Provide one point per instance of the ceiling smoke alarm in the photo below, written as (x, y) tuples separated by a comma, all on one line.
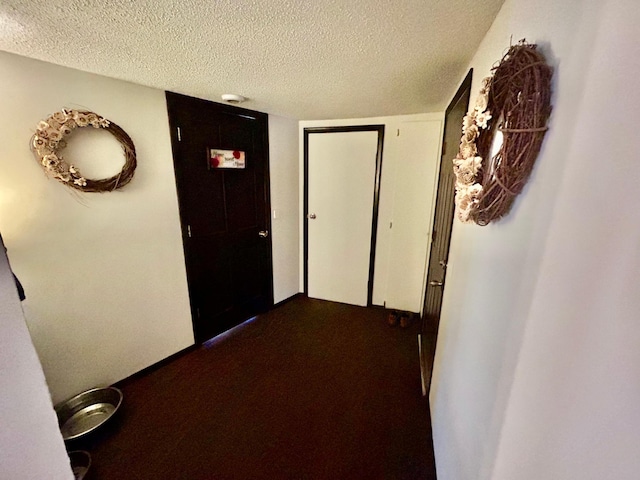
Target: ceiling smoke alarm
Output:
[(233, 98)]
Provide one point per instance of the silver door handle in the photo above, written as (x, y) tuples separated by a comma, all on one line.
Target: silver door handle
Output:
[(263, 233), (435, 283), (311, 216)]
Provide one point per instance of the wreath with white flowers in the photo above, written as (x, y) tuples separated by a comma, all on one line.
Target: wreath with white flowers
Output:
[(50, 139), (515, 101)]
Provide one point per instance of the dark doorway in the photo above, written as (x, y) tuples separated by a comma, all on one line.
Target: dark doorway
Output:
[(442, 224), (224, 212)]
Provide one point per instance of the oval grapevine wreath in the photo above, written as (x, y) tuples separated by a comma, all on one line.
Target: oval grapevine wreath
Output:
[(49, 140), (515, 101)]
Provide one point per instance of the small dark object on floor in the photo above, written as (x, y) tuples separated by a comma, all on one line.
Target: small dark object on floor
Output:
[(405, 319), (392, 319), (80, 463)]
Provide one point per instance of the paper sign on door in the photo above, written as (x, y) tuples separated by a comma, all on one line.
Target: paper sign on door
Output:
[(226, 158)]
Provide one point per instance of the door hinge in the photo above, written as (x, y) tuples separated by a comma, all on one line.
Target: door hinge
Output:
[(189, 231), (444, 148), (179, 134)]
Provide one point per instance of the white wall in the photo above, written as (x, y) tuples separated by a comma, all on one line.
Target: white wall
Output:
[(104, 273), (285, 217), (537, 361), (31, 446), (407, 193)]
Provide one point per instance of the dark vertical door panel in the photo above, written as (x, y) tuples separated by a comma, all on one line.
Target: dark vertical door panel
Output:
[(441, 234), (222, 211), (444, 209)]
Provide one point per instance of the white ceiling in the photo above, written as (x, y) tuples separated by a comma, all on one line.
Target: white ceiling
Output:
[(306, 59)]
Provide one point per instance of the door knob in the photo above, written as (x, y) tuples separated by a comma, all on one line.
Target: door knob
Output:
[(263, 233), (435, 283), (312, 216)]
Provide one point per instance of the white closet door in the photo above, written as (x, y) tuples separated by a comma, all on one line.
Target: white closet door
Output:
[(341, 181), (418, 156)]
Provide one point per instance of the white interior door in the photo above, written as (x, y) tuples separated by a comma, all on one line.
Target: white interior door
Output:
[(418, 150), (341, 183)]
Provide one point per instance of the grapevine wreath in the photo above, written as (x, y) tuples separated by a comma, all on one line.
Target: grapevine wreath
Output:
[(49, 141), (515, 101)]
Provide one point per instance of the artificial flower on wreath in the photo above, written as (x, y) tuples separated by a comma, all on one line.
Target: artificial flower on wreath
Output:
[(467, 165), (49, 139)]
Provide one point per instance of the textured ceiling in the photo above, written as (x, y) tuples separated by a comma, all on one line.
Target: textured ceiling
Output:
[(306, 59)]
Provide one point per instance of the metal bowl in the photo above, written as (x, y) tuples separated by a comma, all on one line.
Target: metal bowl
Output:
[(87, 411), (80, 463)]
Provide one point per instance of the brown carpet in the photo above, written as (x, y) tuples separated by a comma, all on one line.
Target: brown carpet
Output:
[(310, 390)]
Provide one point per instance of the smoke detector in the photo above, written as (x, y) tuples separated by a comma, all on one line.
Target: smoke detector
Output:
[(233, 98)]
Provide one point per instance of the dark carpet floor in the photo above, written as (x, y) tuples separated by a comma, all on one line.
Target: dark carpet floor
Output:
[(310, 390)]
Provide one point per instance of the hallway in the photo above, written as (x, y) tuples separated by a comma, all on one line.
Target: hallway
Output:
[(310, 390)]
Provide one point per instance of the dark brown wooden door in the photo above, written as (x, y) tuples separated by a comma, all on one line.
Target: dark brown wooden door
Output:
[(225, 213), (444, 210), (441, 234)]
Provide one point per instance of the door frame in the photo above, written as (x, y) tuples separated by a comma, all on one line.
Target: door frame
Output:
[(376, 197)]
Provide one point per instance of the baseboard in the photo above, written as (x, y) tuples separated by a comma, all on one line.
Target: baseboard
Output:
[(423, 373), (152, 368), (383, 307), (427, 350), (287, 300)]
